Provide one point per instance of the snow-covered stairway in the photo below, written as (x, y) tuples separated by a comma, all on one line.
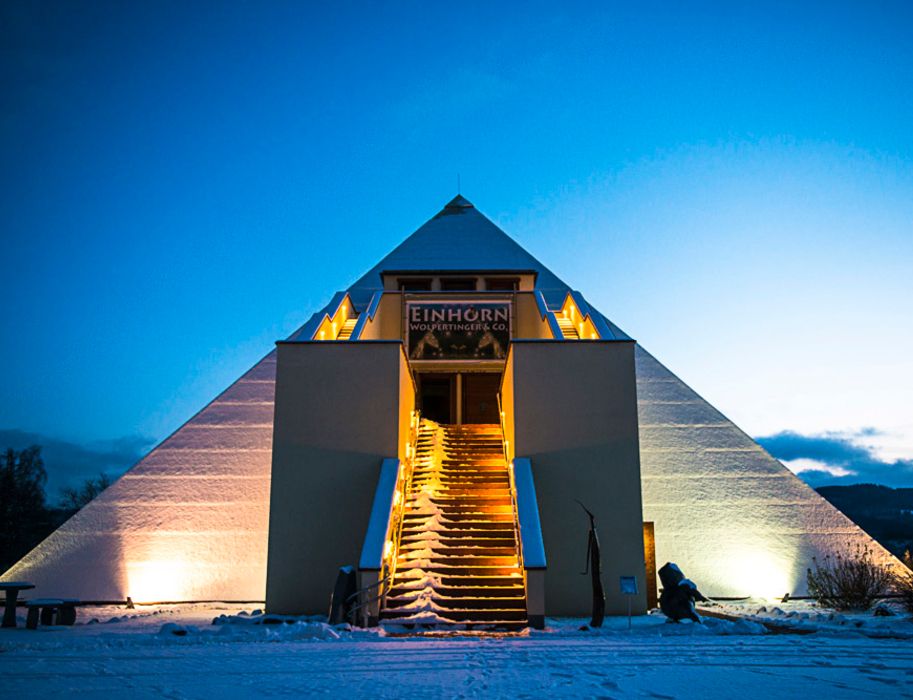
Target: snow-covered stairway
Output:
[(458, 564)]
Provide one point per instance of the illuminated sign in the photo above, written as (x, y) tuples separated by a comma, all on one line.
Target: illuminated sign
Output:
[(457, 330)]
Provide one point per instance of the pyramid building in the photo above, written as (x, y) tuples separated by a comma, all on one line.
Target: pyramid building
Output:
[(437, 426)]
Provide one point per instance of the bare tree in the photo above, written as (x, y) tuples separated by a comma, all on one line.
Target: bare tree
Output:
[(76, 498), (24, 517)]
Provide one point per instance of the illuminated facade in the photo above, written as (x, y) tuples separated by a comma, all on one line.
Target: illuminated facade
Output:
[(433, 424)]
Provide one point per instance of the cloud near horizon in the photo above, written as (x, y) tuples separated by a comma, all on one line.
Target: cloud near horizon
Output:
[(832, 459), (70, 464)]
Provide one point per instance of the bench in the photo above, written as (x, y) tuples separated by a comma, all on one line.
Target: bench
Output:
[(50, 611), (12, 589)]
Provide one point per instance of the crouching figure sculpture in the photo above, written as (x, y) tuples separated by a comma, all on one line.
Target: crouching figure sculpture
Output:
[(678, 595)]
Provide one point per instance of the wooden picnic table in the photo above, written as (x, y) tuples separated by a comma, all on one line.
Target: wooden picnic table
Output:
[(12, 589)]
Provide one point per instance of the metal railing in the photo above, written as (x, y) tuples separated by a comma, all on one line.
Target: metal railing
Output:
[(362, 604), (513, 487), (394, 529), (405, 489)]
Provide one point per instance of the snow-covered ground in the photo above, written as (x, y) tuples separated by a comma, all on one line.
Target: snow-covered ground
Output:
[(805, 617), (176, 652)]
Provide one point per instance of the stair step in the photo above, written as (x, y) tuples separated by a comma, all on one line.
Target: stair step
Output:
[(505, 548), (453, 509), (482, 581), (463, 505), (450, 540), (480, 520), (345, 333), (463, 602), (466, 615), (456, 628), (493, 592), (413, 523), (479, 493), (466, 478), (464, 489), (441, 559), (470, 571)]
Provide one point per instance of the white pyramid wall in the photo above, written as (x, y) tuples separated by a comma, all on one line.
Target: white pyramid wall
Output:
[(731, 516), (188, 522)]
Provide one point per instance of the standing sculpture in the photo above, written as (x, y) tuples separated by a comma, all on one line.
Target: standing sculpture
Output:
[(594, 568)]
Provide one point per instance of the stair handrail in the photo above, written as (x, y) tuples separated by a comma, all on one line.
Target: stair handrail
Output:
[(501, 418), (357, 594), (513, 486), (415, 418), (367, 315), (547, 316)]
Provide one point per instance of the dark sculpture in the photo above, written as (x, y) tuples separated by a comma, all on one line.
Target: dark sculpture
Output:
[(678, 594), (594, 568)]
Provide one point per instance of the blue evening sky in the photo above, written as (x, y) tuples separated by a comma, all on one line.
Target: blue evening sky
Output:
[(185, 183)]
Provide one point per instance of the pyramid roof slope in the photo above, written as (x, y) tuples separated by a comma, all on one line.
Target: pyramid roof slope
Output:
[(459, 238)]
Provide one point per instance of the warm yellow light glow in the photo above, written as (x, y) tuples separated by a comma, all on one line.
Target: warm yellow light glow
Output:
[(157, 581), (397, 497), (388, 549), (323, 335), (756, 572)]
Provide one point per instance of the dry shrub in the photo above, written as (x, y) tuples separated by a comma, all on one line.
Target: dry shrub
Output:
[(849, 582), (903, 583)]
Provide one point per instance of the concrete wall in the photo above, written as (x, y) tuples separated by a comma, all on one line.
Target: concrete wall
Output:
[(406, 405), (339, 409), (507, 405), (387, 323), (528, 323), (575, 416)]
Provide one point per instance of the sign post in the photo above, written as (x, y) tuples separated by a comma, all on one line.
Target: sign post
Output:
[(628, 587)]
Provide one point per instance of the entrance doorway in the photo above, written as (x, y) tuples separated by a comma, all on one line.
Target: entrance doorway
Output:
[(480, 397), (436, 397), (459, 397)]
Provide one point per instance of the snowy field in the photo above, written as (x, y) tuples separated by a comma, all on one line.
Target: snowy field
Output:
[(176, 652)]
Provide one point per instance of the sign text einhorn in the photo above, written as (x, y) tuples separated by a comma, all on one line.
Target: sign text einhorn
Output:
[(457, 331)]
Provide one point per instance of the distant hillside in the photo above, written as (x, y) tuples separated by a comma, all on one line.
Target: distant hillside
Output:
[(885, 513)]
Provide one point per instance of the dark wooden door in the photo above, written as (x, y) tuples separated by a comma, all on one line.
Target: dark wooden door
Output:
[(480, 398)]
